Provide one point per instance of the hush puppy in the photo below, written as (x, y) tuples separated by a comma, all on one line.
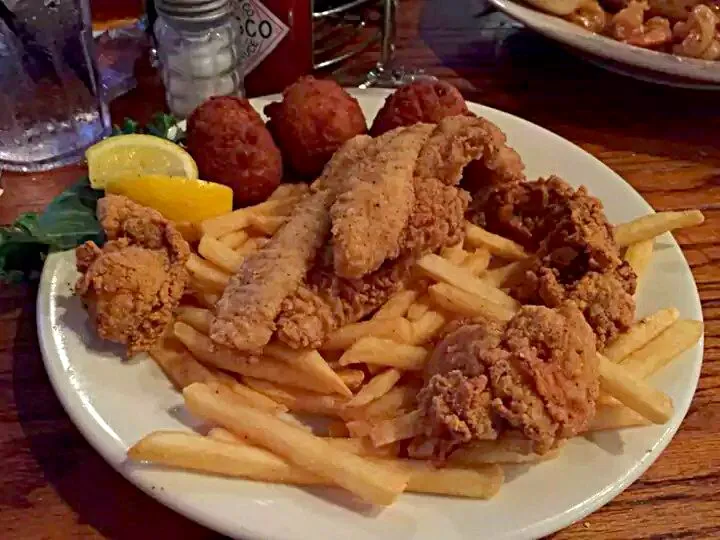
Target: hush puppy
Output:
[(421, 101), (231, 145), (312, 121)]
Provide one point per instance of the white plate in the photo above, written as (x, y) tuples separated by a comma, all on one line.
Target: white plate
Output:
[(605, 47), (115, 403)]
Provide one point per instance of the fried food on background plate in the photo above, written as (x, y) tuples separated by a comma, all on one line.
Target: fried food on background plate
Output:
[(422, 101), (313, 120), (133, 284), (231, 146)]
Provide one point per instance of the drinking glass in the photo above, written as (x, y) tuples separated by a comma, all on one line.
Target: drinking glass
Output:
[(51, 105)]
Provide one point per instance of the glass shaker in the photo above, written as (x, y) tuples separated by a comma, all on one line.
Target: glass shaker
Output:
[(197, 47)]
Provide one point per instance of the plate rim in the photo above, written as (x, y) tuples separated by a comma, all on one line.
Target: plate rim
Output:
[(616, 51), (78, 410)]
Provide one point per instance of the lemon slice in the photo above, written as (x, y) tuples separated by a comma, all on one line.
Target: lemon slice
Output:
[(127, 156), (177, 198)]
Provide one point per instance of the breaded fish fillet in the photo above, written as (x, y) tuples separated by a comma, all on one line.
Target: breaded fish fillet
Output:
[(326, 301), (246, 312), (372, 211)]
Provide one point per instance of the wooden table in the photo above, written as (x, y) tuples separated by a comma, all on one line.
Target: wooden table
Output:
[(663, 141)]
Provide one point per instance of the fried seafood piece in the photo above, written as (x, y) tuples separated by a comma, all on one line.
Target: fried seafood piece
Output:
[(536, 374), (472, 147), (419, 102), (372, 211), (131, 286), (231, 145), (576, 257), (606, 299), (314, 118), (327, 301), (246, 312)]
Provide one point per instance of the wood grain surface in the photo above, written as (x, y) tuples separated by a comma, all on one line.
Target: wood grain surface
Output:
[(664, 141)]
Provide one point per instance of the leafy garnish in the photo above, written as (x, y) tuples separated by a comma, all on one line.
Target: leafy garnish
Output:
[(68, 221), (161, 125)]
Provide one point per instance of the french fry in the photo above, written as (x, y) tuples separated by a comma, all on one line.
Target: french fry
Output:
[(395, 429), (252, 245), (635, 393), (219, 254), (376, 387), (396, 402), (371, 481), (638, 256), (455, 254), (299, 400), (481, 482), (240, 219), (500, 451), (427, 327), (222, 377), (207, 272), (207, 299), (384, 352), (454, 300), (360, 447), (202, 454), (477, 262), (258, 399), (652, 225), (397, 306), (264, 368), (419, 308), (178, 364), (267, 224), (497, 245), (198, 318), (221, 434), (311, 362), (353, 378), (190, 231), (616, 416), (193, 452), (398, 329), (498, 276), (358, 428), (647, 360), (285, 191), (337, 428), (441, 270), (640, 334), (235, 239)]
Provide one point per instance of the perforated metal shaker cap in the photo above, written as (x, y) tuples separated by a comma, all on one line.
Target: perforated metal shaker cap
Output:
[(193, 10)]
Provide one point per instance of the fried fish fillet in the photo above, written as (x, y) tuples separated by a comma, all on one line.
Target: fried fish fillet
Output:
[(326, 301), (370, 214), (246, 312)]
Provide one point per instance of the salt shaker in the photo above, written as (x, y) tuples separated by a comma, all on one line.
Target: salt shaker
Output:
[(197, 48)]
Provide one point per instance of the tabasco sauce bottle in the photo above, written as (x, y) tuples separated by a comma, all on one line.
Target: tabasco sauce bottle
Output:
[(275, 43)]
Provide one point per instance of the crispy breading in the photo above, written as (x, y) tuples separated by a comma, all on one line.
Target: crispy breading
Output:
[(133, 284), (536, 374), (576, 257), (246, 312), (370, 214), (327, 301)]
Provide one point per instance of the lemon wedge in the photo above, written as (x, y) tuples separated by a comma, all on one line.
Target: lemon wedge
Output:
[(176, 198), (127, 156)]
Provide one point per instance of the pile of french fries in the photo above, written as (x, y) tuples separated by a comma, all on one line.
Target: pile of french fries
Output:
[(364, 380)]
